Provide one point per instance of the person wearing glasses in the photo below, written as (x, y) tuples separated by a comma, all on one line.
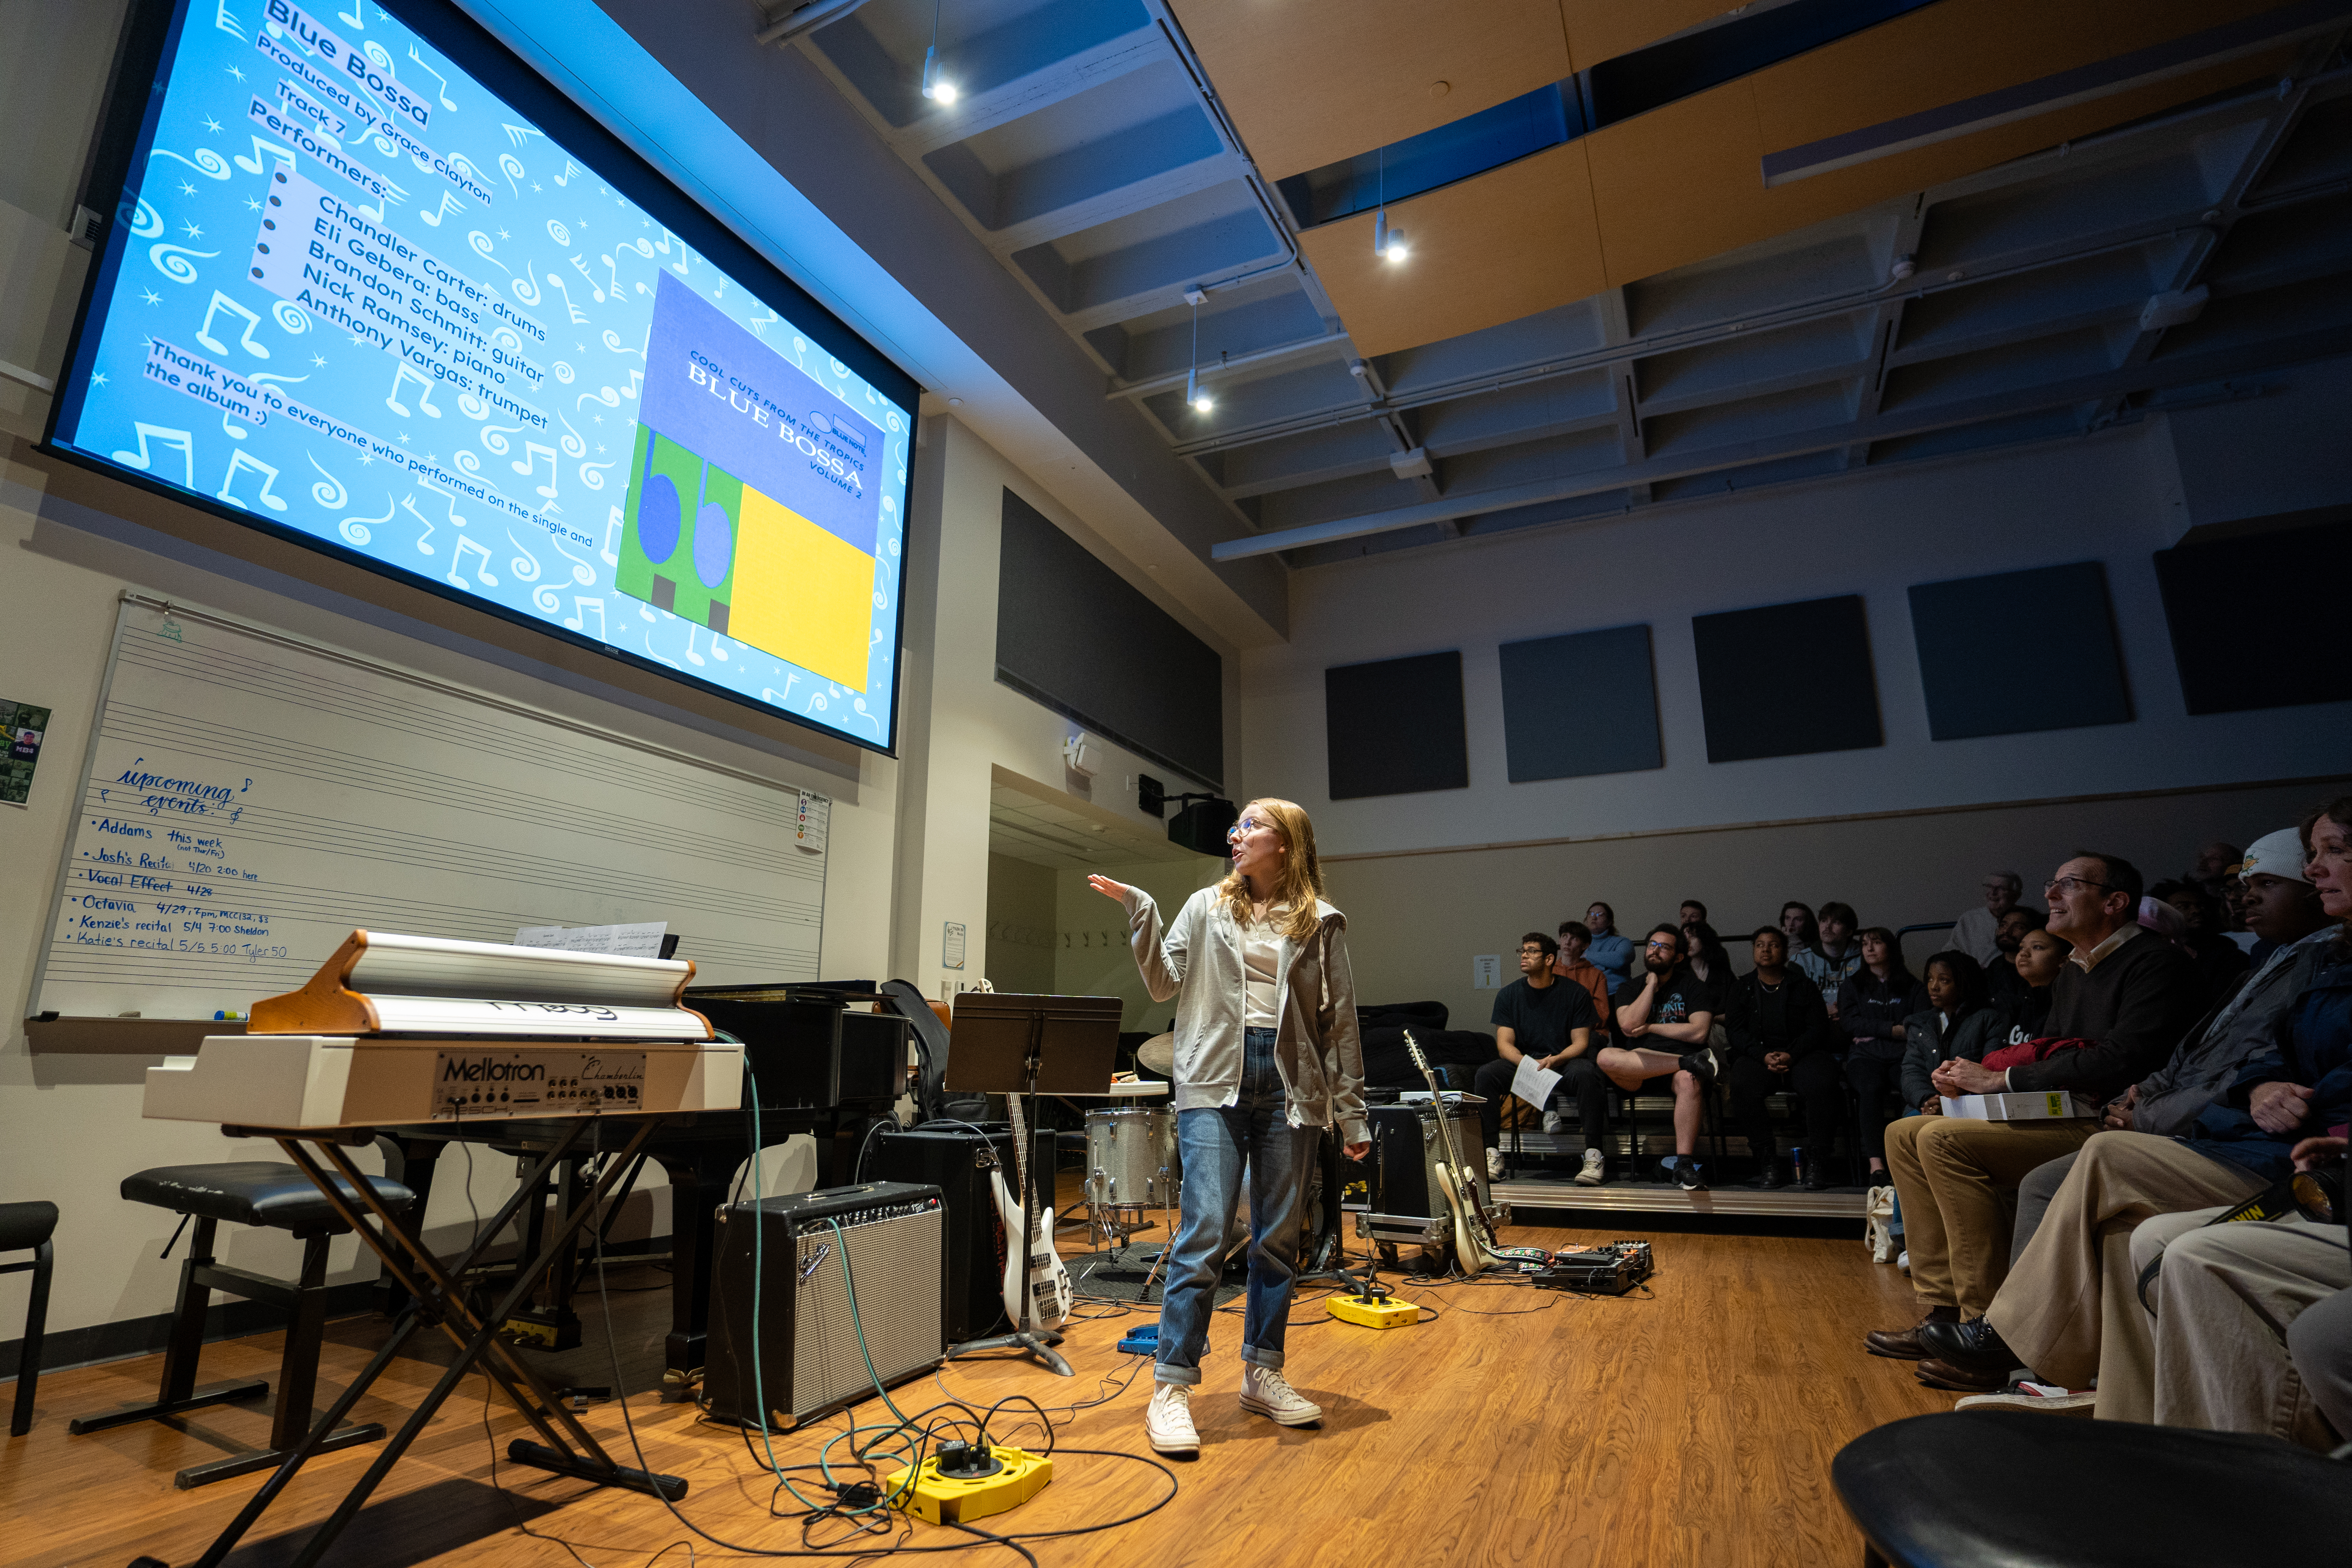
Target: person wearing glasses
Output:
[(2120, 1002), (1664, 1019), (1551, 1019), (1267, 1057)]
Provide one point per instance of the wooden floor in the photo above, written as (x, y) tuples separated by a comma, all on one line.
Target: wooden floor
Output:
[(1694, 1426)]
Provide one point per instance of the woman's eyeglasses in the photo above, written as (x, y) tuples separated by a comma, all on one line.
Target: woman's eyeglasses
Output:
[(1246, 825)]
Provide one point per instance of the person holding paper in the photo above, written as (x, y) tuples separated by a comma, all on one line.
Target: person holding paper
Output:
[(1547, 1021), (1267, 1057)]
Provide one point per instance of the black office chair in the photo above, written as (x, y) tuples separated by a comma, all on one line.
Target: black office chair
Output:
[(27, 1227), (2015, 1489)]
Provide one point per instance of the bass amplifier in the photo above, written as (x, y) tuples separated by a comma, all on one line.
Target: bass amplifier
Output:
[(809, 1338), (1406, 1203), (953, 1160)]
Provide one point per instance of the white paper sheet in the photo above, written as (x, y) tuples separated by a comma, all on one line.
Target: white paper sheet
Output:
[(642, 940), (1534, 1084)]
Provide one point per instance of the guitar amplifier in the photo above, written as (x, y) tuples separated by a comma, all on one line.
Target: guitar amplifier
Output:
[(949, 1158), (809, 1047), (809, 1344), (1406, 1203)]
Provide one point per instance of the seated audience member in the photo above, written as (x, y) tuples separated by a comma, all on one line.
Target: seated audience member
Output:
[(1709, 964), (1874, 1009), (2252, 1328), (2221, 960), (1571, 964), (2286, 910), (2042, 956), (1958, 1023), (1612, 954), (2067, 1310), (1797, 925), (1663, 1021), (1541, 1016), (2215, 864), (2001, 970), (1692, 912), (1836, 959), (2122, 999), (1973, 932), (1781, 1043)]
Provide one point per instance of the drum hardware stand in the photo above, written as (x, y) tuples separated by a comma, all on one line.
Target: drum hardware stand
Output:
[(988, 1028), (444, 1305)]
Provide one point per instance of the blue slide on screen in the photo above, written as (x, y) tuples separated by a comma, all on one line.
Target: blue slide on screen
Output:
[(352, 295)]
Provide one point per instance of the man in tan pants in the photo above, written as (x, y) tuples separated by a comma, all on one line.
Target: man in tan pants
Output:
[(2127, 997), (2069, 1309)]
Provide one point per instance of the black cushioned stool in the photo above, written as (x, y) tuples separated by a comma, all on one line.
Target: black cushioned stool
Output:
[(258, 1193), (26, 1227), (2007, 1489)]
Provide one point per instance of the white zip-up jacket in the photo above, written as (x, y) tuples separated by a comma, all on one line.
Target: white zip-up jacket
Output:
[(1199, 959)]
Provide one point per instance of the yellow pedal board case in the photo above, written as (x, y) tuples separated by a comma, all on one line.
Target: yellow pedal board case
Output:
[(945, 1498), (1382, 1312)]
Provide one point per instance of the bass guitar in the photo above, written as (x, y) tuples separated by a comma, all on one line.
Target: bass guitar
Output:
[(1046, 1281), (1473, 1237)]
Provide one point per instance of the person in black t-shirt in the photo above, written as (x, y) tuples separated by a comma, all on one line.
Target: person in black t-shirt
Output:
[(1552, 1020), (1662, 1021), (1781, 1042)]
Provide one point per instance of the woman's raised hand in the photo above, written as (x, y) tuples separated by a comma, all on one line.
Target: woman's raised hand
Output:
[(1108, 889)]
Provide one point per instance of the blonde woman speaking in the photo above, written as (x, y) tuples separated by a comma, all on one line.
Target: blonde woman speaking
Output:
[(1267, 1057)]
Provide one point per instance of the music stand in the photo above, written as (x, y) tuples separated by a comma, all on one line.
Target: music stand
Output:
[(1025, 1046)]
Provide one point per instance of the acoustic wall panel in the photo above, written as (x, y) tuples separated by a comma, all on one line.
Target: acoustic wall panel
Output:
[(2250, 625), (1784, 681), (1584, 703), (1395, 727), (1075, 636), (1964, 629)]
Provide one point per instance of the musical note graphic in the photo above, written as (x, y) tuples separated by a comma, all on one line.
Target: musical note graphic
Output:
[(578, 619), (571, 171), (570, 440), (472, 407), (441, 81), (761, 324), (292, 317), (511, 167), (172, 261), (578, 315), (231, 429), (227, 22), (518, 135), (252, 321), (557, 232), (265, 152), (164, 435), (351, 18), (612, 343), (563, 373), (525, 565), (718, 648), (468, 464), (355, 527), (145, 221), (691, 656), (592, 474), (531, 452), (409, 505), (494, 438), (206, 162), (391, 400), (481, 242), (593, 287), (612, 527), (449, 203), (525, 287), (239, 461), (582, 572), (611, 397), (327, 490), (482, 573)]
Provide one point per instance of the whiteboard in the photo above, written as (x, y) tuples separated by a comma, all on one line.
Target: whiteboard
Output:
[(250, 798)]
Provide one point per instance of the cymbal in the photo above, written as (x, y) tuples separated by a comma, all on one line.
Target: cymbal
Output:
[(1159, 1054)]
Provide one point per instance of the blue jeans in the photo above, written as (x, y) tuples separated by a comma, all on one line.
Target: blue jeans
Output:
[(1215, 1145)]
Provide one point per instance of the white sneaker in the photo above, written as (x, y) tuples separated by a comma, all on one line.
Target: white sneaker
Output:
[(1596, 1169), (1168, 1420), (1264, 1392), (1904, 1261), (1551, 1122), (2034, 1396), (1494, 1164)]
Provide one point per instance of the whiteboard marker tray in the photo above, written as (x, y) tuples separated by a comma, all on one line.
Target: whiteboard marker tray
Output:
[(332, 1080)]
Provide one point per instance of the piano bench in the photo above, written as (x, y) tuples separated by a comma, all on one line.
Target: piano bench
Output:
[(254, 1192), (26, 1227)]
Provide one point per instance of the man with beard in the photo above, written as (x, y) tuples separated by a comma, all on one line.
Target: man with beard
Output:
[(1662, 1019)]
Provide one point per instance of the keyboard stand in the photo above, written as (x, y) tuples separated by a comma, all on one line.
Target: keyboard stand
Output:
[(441, 1302)]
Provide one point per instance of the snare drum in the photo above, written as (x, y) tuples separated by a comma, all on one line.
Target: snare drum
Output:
[(1132, 1157)]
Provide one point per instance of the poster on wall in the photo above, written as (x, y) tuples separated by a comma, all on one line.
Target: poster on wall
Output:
[(357, 294), (23, 725)]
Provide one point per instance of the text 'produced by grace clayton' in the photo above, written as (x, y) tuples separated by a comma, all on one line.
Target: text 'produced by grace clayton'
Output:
[(353, 295)]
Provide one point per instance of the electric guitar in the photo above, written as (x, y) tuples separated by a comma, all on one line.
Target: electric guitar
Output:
[(1474, 1238), (1047, 1280)]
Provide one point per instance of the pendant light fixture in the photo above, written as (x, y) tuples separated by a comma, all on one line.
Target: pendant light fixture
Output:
[(1200, 400), (936, 87), (1387, 243)]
